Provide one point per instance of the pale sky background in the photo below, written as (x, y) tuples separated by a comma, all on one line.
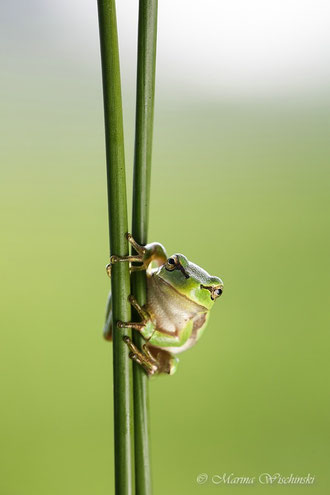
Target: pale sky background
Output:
[(235, 49)]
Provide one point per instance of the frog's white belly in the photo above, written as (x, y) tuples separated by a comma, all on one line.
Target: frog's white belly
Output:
[(169, 310)]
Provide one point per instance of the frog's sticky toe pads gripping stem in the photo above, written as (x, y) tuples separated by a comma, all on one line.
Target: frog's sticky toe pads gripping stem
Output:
[(138, 258)]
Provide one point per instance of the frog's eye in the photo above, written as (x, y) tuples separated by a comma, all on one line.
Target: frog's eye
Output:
[(171, 264), (214, 292)]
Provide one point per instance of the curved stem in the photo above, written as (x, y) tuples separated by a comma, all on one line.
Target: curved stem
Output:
[(147, 38), (120, 282)]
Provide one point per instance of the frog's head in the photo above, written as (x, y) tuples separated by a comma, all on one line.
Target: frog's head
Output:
[(190, 280)]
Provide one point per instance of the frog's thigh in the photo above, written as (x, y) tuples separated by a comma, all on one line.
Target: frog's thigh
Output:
[(165, 361)]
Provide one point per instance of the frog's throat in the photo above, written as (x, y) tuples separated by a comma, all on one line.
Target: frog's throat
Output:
[(199, 307)]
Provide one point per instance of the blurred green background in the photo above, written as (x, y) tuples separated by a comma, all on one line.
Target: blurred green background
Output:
[(240, 186)]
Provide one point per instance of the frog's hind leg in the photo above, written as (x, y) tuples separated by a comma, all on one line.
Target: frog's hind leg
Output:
[(167, 363), (154, 361), (143, 358)]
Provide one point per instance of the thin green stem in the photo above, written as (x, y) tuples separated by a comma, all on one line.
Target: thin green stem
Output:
[(120, 282), (147, 38)]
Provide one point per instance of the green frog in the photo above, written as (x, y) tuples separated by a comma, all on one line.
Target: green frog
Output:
[(180, 295)]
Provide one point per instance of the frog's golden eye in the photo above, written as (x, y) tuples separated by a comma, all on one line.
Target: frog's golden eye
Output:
[(171, 264), (214, 291)]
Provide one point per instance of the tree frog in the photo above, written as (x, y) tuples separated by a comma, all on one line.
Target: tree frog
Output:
[(180, 295)]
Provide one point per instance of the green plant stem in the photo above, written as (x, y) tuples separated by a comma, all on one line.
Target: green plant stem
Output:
[(120, 281), (147, 38)]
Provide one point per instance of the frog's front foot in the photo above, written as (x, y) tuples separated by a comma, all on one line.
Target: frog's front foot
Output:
[(132, 324), (145, 326), (136, 258), (144, 358)]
